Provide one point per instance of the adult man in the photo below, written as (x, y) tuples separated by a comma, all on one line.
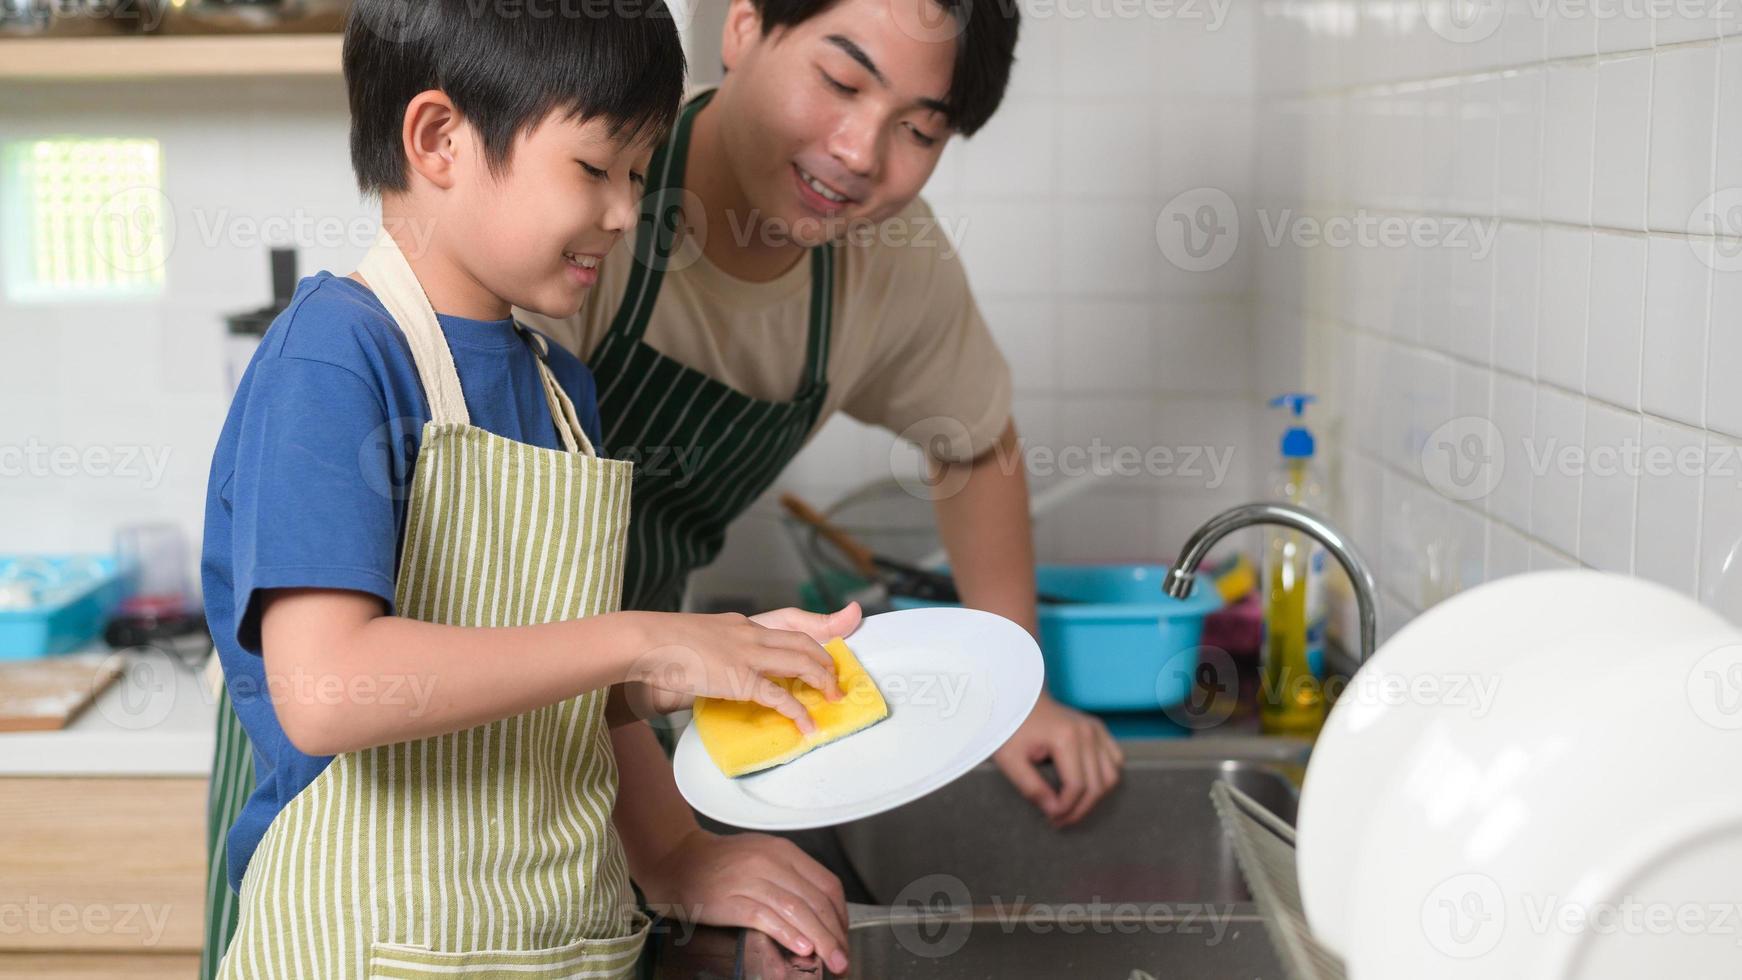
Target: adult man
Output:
[(785, 269)]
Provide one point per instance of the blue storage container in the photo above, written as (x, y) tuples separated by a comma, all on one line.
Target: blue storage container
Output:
[(55, 603), (1127, 646)]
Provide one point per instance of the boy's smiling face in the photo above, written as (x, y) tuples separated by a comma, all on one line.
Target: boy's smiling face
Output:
[(535, 233), (836, 119)]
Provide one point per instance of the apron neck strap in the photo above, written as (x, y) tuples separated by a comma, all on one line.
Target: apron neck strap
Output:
[(394, 283), (657, 240)]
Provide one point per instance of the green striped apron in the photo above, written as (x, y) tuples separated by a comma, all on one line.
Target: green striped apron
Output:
[(488, 852), (657, 410)]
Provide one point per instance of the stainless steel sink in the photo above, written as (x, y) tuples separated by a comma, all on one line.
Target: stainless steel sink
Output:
[(1155, 839), (971, 882), (1067, 941)]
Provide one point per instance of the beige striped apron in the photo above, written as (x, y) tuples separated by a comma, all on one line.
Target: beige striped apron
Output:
[(488, 852)]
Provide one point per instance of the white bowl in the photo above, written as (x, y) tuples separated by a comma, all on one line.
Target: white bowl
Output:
[(1450, 663), (1590, 827)]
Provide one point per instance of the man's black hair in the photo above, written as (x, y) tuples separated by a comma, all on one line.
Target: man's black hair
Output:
[(985, 50), (506, 70)]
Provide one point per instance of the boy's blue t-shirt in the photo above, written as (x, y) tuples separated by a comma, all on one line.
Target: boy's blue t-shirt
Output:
[(309, 483)]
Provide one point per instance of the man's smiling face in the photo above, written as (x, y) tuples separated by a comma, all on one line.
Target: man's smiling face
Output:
[(838, 119)]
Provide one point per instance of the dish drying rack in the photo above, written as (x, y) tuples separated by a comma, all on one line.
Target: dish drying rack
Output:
[(1264, 846)]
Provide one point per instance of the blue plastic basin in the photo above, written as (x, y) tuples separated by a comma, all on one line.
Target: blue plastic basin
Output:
[(1125, 646)]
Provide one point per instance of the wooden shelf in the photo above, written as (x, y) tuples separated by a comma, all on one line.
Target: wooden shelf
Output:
[(202, 56)]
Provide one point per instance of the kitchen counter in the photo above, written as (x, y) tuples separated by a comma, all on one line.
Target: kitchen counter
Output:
[(157, 719)]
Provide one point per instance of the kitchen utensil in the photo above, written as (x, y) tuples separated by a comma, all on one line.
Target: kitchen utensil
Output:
[(898, 578), (243, 330), (959, 682), (51, 604), (1587, 827), (1435, 672), (1039, 505), (45, 695), (1264, 846), (1122, 644)]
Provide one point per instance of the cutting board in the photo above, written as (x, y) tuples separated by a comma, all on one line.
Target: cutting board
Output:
[(45, 695)]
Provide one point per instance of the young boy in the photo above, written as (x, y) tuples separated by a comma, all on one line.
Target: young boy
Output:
[(413, 555)]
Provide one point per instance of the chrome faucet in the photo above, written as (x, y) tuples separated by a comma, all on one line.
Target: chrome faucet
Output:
[(1178, 582)]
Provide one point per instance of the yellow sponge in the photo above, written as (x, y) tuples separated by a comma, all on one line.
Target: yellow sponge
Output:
[(744, 737)]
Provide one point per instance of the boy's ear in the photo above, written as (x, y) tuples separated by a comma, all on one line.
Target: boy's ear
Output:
[(743, 29), (431, 137)]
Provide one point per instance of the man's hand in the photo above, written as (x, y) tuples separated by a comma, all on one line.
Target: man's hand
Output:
[(1082, 751), (754, 881)]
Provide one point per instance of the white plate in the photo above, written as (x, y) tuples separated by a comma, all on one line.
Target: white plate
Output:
[(959, 682)]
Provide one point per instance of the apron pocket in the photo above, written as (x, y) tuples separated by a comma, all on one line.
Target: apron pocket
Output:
[(593, 959)]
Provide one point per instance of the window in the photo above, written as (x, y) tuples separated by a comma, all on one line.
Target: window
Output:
[(84, 218)]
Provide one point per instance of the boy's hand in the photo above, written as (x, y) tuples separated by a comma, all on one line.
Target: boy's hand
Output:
[(735, 657), (753, 881)]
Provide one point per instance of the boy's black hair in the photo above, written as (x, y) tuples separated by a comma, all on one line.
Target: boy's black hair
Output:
[(985, 50), (506, 70)]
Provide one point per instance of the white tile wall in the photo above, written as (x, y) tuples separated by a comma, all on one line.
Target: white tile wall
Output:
[(1601, 161), (1108, 117), (1614, 291), (247, 165)]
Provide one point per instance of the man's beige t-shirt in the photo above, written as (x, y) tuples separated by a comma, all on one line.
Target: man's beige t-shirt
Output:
[(908, 350)]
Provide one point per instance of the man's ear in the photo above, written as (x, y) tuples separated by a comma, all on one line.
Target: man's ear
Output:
[(431, 137), (743, 29)]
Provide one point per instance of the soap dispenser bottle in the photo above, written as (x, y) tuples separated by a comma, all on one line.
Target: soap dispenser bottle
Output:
[(1292, 698)]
